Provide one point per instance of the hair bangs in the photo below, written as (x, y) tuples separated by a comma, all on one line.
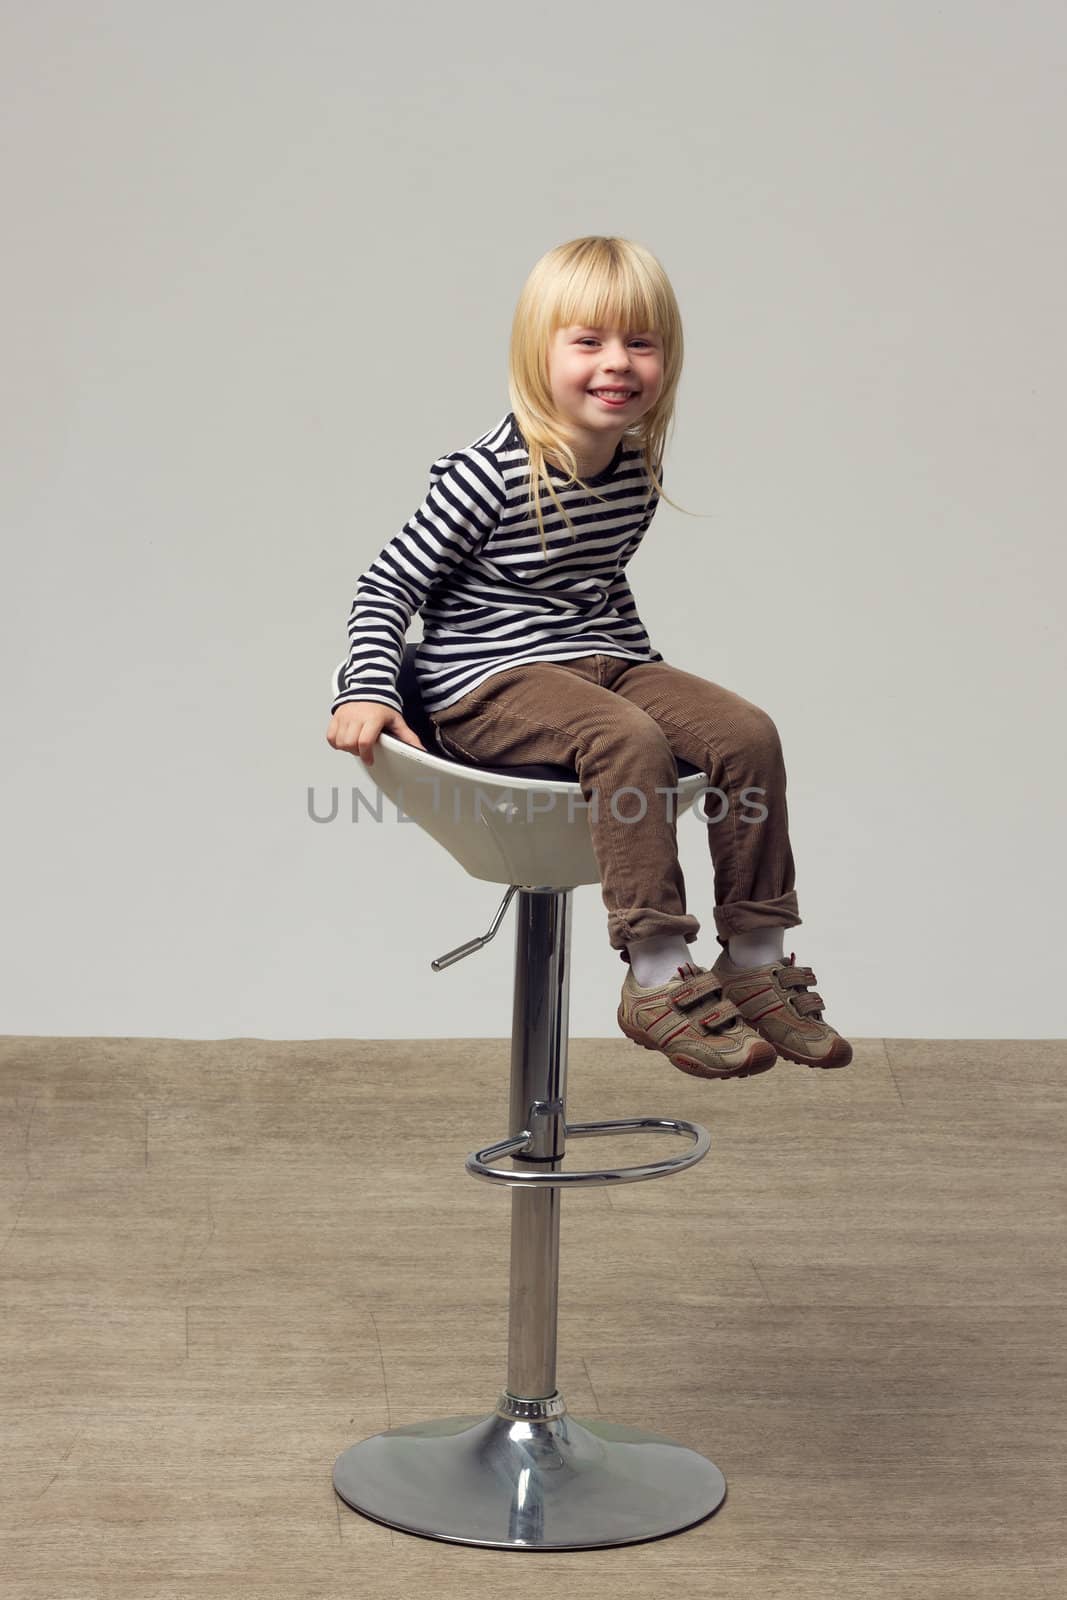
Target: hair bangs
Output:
[(609, 295)]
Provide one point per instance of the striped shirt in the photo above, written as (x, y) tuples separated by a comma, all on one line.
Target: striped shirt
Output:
[(470, 560)]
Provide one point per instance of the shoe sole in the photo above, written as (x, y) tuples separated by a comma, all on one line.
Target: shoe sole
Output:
[(757, 1062)]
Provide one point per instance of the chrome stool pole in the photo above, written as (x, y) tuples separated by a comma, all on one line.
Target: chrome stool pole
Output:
[(529, 1476), (536, 1107)]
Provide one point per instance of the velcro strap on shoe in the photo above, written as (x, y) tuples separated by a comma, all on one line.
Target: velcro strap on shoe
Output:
[(725, 1012), (799, 978), (795, 977), (704, 987), (708, 986)]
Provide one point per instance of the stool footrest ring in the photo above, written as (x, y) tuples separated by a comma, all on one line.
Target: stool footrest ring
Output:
[(478, 1164)]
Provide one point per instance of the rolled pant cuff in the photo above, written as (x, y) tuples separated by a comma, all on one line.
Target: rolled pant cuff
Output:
[(745, 916), (645, 922)]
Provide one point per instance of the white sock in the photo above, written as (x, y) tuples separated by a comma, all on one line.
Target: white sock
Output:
[(757, 948), (656, 960)]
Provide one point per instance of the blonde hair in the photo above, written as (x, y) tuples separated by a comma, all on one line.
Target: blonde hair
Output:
[(594, 281)]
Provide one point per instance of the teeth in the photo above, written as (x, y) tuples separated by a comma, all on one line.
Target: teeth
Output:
[(613, 394)]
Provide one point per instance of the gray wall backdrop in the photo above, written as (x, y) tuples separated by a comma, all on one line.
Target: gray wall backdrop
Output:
[(260, 264)]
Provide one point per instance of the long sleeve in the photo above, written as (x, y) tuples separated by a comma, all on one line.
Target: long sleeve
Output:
[(463, 506)]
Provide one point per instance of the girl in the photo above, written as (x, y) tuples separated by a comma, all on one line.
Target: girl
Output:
[(533, 651)]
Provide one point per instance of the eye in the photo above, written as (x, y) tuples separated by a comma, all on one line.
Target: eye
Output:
[(588, 339)]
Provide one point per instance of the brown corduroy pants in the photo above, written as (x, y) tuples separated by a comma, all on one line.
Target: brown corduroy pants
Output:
[(620, 724)]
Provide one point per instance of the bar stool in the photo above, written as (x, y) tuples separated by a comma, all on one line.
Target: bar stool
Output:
[(528, 1476)]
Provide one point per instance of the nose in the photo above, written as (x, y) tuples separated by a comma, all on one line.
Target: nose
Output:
[(617, 359)]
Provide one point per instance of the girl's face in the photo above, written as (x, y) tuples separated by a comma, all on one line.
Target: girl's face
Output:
[(584, 360)]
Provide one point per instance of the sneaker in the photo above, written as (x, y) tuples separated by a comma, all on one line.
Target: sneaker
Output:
[(775, 999), (695, 1026)]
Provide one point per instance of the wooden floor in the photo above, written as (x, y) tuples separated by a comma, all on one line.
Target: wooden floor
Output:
[(221, 1263)]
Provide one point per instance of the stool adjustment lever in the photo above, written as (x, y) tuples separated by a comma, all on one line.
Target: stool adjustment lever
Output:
[(471, 945)]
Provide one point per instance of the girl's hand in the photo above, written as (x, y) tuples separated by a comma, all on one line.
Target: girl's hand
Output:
[(356, 726)]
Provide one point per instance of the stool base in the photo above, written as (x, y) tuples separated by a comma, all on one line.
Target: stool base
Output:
[(528, 1477)]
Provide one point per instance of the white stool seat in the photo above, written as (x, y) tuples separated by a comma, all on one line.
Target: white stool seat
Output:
[(502, 828)]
